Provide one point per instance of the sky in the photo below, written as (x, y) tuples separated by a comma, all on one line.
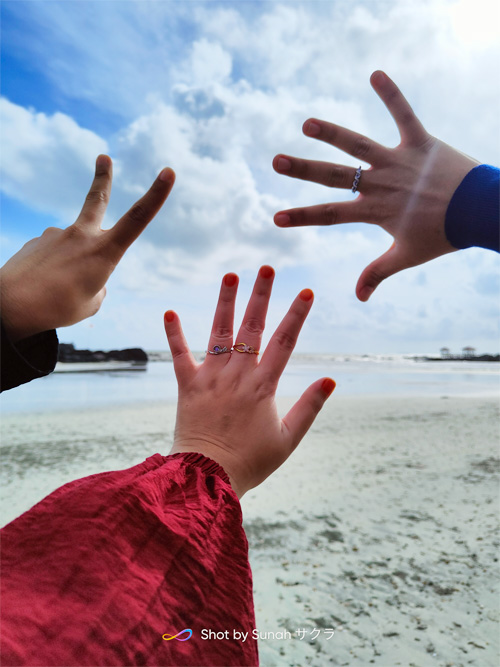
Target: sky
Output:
[(215, 90)]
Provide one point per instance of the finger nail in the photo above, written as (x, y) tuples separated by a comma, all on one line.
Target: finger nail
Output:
[(306, 294), (284, 164), (266, 272), (102, 161), (312, 128), (166, 175), (366, 293), (282, 219), (328, 385), (230, 279), (169, 316)]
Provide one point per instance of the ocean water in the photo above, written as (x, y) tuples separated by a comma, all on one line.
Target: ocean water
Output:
[(365, 375)]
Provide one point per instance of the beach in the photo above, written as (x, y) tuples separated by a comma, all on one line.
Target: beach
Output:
[(375, 543), (384, 528)]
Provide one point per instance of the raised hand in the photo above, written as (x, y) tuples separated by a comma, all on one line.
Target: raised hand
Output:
[(226, 408), (59, 278), (406, 191)]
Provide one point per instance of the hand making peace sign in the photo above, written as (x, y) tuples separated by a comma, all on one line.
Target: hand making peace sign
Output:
[(59, 278)]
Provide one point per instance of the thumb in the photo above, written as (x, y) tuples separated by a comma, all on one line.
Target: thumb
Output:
[(391, 262)]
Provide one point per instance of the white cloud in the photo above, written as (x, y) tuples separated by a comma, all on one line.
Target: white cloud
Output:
[(45, 159), (208, 62)]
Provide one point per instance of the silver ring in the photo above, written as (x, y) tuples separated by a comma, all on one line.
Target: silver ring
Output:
[(357, 176), (217, 349)]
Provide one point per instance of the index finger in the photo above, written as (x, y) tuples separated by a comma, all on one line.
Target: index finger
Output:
[(97, 199), (132, 224)]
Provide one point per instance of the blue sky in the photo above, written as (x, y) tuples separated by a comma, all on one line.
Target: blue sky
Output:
[(215, 90)]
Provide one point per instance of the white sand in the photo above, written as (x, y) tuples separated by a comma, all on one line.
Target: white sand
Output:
[(383, 526)]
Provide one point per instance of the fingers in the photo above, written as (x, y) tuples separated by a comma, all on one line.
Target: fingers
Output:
[(324, 173), (350, 142), (254, 320), (322, 215), (410, 128), (222, 329), (283, 341), (183, 360), (97, 198), (133, 223), (300, 418), (386, 265)]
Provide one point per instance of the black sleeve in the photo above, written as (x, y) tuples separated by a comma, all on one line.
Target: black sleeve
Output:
[(27, 359)]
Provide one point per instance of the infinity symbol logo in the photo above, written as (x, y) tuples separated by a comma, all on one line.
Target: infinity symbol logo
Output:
[(168, 638)]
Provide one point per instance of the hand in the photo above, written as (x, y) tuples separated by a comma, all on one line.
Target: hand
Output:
[(226, 408), (406, 191), (59, 278)]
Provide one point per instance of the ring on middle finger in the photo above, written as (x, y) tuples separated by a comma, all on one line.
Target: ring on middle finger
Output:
[(243, 347)]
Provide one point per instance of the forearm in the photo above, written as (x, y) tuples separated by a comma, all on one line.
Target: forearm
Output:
[(105, 566)]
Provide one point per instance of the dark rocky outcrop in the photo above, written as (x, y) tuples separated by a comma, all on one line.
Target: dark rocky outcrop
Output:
[(68, 354)]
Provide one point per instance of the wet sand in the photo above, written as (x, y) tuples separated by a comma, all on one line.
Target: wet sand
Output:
[(377, 540)]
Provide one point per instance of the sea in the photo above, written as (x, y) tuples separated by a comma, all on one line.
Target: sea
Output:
[(391, 375)]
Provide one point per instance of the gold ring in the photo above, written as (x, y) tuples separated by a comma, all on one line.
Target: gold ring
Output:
[(243, 347)]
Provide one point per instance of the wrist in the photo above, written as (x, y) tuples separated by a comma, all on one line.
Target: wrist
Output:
[(215, 453), (13, 327), (13, 311), (17, 331)]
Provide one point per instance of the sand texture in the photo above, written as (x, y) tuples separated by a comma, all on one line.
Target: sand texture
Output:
[(382, 527)]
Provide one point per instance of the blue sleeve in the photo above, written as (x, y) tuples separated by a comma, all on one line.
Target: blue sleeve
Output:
[(473, 217)]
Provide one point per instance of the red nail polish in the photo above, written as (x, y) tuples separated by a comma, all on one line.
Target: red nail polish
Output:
[(230, 279), (306, 294), (266, 272), (169, 316), (328, 385)]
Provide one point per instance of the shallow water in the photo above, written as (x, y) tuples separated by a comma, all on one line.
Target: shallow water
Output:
[(353, 375)]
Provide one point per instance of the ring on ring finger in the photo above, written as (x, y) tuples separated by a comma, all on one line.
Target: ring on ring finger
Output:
[(355, 182), (218, 349)]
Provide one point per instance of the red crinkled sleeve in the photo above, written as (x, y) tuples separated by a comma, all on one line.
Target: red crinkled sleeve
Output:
[(105, 569)]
